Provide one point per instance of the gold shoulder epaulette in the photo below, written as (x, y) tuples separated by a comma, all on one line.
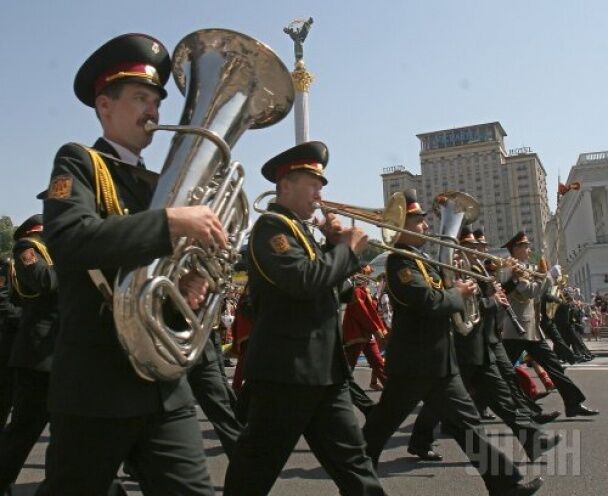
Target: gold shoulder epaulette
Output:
[(106, 198), (297, 232), (42, 249)]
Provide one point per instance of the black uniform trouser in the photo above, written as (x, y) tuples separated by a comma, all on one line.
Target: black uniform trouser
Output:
[(561, 349), (448, 397), (360, 398), (278, 415), (544, 355), (28, 420), (489, 385), (574, 340), (7, 374), (505, 367), (213, 394), (166, 449), (579, 332), (217, 342)]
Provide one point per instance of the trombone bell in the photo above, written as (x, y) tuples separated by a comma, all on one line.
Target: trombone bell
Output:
[(395, 214)]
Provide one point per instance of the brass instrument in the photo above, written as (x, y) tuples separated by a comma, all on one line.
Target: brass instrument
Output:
[(504, 268), (552, 306), (231, 83), (389, 220), (455, 208), (392, 219), (508, 309)]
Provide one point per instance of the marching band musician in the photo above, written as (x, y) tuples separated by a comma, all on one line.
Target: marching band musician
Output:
[(421, 362), (524, 404), (10, 314), (35, 282), (563, 320), (101, 410), (522, 292), (551, 299), (477, 362), (296, 372)]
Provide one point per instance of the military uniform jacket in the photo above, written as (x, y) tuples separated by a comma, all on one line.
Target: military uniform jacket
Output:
[(563, 317), (296, 338), (421, 342), (39, 325), (10, 312), (91, 373), (522, 296), (476, 347)]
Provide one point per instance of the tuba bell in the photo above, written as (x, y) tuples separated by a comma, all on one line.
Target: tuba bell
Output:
[(455, 208), (231, 83)]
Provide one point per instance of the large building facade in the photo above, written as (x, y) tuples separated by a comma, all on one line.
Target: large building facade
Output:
[(509, 186), (582, 221)]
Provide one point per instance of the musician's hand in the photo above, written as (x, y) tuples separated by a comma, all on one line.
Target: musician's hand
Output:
[(467, 288), (501, 298), (518, 272), (194, 288), (331, 229), (355, 238), (196, 222)]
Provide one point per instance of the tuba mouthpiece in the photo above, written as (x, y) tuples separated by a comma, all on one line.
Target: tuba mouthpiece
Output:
[(150, 126)]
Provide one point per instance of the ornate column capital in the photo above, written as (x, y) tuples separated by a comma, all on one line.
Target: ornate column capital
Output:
[(302, 79)]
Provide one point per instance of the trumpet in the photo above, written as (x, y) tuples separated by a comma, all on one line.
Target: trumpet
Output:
[(507, 265)]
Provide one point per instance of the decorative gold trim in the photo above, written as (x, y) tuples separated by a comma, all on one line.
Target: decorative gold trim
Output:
[(302, 79), (125, 74)]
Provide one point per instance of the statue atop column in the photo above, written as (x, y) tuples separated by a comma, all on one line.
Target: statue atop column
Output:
[(298, 30), (302, 79)]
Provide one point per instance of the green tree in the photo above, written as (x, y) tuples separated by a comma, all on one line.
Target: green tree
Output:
[(6, 235)]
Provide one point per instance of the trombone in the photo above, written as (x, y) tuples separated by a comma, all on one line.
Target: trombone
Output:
[(390, 221), (392, 218)]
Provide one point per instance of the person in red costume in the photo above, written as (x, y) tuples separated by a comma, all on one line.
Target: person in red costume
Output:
[(362, 328)]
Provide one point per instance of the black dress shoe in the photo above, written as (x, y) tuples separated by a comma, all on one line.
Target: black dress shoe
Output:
[(545, 418), (425, 454), (581, 410), (522, 489), (538, 446)]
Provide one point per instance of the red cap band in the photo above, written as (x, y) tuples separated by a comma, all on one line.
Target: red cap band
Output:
[(128, 69), (413, 206)]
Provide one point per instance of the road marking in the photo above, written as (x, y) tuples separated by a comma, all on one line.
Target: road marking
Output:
[(588, 367)]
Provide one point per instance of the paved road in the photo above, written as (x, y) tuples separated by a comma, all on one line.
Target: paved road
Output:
[(577, 467)]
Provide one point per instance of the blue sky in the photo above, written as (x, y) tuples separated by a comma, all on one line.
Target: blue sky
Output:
[(384, 72)]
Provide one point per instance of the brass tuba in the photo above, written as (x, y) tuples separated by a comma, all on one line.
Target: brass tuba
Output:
[(455, 208), (231, 83)]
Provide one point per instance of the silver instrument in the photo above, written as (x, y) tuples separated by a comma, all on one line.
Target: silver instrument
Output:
[(455, 208), (231, 83)]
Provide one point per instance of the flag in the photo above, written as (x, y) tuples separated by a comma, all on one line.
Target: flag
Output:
[(562, 188)]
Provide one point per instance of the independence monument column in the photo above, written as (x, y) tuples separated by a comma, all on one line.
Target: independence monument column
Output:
[(302, 79)]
